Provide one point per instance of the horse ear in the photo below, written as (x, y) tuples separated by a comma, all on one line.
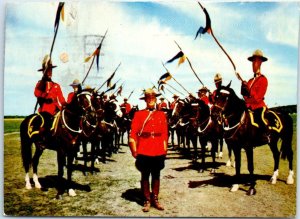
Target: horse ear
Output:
[(228, 85)]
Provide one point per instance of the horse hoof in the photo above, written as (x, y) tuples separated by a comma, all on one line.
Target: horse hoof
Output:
[(290, 181), (228, 164), (212, 171), (273, 181), (84, 173), (251, 191), (71, 192), (28, 186), (201, 170), (234, 188)]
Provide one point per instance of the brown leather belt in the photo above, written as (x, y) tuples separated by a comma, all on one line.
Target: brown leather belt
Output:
[(150, 134)]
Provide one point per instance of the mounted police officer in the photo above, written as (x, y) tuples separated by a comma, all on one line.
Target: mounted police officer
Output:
[(126, 106), (162, 105), (218, 83), (76, 89), (255, 89), (202, 95), (172, 105), (49, 95), (148, 144)]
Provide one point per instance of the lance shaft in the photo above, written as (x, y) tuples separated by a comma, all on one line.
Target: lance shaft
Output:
[(175, 80), (130, 94), (190, 64), (109, 77)]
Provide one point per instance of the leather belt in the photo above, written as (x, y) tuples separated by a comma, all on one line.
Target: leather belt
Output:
[(150, 134)]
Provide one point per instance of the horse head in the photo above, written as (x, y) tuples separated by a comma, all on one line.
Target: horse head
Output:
[(226, 101), (112, 109)]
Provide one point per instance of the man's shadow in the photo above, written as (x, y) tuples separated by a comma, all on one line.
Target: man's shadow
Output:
[(134, 195)]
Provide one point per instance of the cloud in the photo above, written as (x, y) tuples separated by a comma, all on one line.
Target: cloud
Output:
[(282, 24)]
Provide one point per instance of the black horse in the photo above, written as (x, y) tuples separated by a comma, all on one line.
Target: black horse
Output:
[(240, 132), (61, 135), (124, 123)]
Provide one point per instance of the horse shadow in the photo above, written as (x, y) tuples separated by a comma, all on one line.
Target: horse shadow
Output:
[(224, 180), (52, 181), (133, 195), (197, 166), (82, 168)]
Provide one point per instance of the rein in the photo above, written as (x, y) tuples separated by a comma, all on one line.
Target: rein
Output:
[(237, 126), (66, 125)]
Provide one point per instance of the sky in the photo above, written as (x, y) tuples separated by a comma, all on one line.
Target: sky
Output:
[(141, 36)]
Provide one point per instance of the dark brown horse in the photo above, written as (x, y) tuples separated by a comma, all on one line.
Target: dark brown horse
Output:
[(59, 134), (240, 132)]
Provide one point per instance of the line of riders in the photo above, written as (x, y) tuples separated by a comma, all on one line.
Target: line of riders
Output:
[(103, 122), (51, 100)]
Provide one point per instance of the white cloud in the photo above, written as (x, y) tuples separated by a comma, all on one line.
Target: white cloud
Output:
[(282, 24)]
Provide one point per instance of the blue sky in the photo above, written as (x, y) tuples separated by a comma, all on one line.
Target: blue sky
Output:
[(141, 35)]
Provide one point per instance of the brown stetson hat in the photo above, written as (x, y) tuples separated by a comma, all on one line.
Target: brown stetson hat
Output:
[(259, 54), (149, 92)]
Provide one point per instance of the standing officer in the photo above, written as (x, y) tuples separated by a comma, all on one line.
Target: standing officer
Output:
[(255, 89), (76, 89), (49, 94), (148, 144)]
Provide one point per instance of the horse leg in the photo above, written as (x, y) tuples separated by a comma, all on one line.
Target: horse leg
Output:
[(276, 157), (194, 140), (26, 153), (85, 157), (70, 158), (221, 148), (35, 163), (61, 160), (203, 144), (214, 149), (237, 154), (249, 153), (230, 162)]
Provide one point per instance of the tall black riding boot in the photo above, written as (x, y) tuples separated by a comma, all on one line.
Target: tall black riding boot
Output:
[(145, 186), (154, 195)]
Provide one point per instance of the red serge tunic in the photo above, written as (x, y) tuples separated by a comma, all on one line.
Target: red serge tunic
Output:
[(258, 87), (53, 91), (127, 107), (150, 141)]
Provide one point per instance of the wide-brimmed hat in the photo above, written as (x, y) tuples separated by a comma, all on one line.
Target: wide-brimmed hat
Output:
[(149, 92), (175, 96), (75, 83), (202, 89), (125, 98), (217, 78), (47, 63), (259, 54), (162, 98)]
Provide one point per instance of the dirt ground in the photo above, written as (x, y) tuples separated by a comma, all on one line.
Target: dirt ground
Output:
[(115, 190)]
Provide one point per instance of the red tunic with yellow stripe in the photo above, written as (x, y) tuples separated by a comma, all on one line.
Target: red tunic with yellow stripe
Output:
[(52, 94), (149, 129), (257, 87)]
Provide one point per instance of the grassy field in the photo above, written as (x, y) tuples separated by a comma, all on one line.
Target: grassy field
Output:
[(114, 191), (12, 125)]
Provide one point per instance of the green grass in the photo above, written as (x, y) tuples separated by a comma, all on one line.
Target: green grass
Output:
[(12, 125)]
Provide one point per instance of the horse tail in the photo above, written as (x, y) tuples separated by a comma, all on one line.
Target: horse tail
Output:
[(26, 149), (286, 136)]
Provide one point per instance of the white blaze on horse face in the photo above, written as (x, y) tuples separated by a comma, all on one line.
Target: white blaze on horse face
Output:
[(174, 110), (224, 91), (118, 110)]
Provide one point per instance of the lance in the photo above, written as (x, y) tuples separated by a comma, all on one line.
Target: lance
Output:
[(212, 33), (56, 25), (118, 88), (175, 81), (160, 92), (109, 77), (112, 87), (99, 49), (190, 65), (174, 89), (130, 94)]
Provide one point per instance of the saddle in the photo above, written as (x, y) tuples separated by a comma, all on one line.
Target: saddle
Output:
[(42, 122), (268, 117)]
